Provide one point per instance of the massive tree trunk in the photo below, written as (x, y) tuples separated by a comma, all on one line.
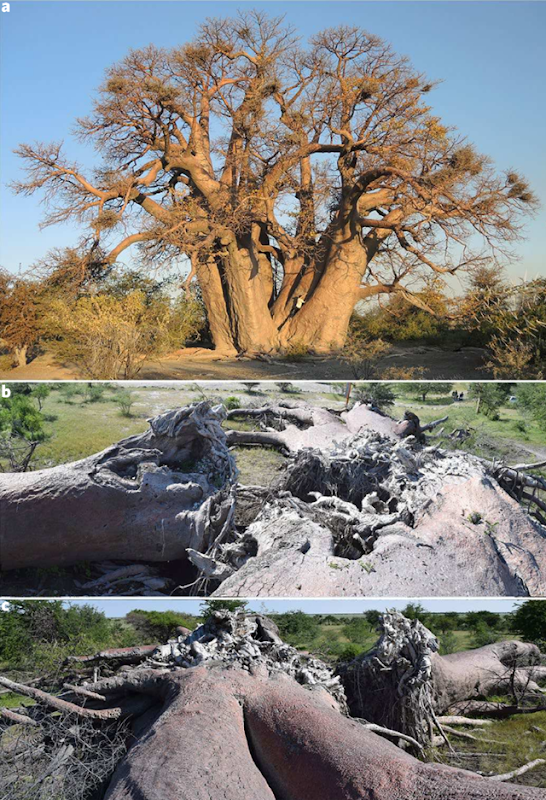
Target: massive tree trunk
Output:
[(361, 511), (232, 713), (405, 664), (149, 497), (322, 322)]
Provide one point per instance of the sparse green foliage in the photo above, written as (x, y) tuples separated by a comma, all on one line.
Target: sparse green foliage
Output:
[(159, 625), (125, 399), (208, 607), (21, 432)]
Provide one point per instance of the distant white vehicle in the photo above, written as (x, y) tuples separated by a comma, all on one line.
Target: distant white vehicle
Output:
[(513, 399)]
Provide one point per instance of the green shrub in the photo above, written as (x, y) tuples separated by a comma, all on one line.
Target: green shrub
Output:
[(158, 626), (232, 403)]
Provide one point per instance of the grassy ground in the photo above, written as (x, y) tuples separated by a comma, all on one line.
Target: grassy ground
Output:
[(79, 428), (517, 741)]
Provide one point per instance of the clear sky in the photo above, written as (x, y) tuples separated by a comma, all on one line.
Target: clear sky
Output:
[(490, 56), (120, 606)]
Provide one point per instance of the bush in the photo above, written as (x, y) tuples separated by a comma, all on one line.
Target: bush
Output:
[(296, 352), (362, 353), (109, 337), (208, 607), (42, 633), (357, 630), (125, 400), (529, 620), (381, 395), (158, 626), (232, 403), (296, 627)]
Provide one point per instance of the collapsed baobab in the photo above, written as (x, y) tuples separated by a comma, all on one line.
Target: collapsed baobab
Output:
[(231, 711), (360, 507), (296, 180)]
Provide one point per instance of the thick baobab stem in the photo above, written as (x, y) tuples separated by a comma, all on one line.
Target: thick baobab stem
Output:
[(259, 737), (364, 509), (322, 322), (403, 682), (215, 304), (232, 712), (149, 497)]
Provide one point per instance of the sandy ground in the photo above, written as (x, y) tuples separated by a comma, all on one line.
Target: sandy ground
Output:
[(200, 364)]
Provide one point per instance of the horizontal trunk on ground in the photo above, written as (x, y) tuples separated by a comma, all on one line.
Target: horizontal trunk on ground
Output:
[(237, 736), (149, 497), (230, 712), (367, 512), (405, 664)]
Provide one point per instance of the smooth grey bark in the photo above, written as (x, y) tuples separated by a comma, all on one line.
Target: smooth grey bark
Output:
[(148, 497)]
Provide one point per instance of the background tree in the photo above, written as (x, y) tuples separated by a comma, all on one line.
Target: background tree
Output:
[(489, 397), (20, 316), (208, 607), (529, 620), (296, 180), (423, 389), (21, 432), (531, 398), (380, 395)]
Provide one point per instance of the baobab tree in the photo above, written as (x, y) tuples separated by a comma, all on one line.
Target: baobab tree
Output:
[(296, 180)]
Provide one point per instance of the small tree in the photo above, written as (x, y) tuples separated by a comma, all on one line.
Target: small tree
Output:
[(424, 389), (362, 354), (380, 395), (531, 399), (21, 432), (125, 399), (20, 316), (39, 392), (489, 397)]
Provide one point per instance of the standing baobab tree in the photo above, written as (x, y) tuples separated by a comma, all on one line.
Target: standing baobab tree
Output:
[(296, 180)]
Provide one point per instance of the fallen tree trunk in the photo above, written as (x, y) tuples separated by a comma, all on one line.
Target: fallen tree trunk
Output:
[(148, 497), (404, 684), (293, 425), (371, 519), (239, 715)]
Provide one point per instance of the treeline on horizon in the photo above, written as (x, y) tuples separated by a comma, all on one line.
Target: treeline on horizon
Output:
[(40, 634)]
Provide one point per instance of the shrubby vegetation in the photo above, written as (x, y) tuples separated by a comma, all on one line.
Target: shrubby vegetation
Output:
[(101, 322), (21, 427), (40, 634)]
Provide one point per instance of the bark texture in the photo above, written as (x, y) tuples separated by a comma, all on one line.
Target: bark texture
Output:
[(232, 719), (230, 712), (148, 497), (405, 664), (363, 508)]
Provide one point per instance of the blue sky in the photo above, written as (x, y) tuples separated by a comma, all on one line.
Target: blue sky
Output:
[(489, 55), (120, 607)]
